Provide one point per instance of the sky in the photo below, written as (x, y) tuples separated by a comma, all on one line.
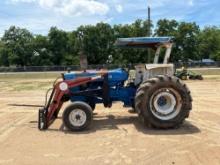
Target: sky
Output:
[(39, 15)]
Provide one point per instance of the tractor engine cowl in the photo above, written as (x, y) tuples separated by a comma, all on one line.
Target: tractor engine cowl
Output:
[(115, 77)]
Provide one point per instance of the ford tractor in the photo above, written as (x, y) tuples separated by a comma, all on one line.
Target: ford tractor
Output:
[(160, 99)]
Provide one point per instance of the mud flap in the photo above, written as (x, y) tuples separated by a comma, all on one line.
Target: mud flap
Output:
[(42, 123)]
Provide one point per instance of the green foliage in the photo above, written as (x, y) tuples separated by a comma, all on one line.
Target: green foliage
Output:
[(209, 43), (167, 28), (19, 47), (58, 41), (185, 38), (187, 41), (137, 29), (4, 61), (95, 41), (41, 51)]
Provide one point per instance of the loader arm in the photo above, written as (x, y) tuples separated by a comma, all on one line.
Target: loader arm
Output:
[(48, 113)]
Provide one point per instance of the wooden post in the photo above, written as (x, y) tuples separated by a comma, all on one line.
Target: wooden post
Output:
[(83, 61)]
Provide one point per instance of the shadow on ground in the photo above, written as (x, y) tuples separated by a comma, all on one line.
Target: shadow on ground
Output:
[(113, 122)]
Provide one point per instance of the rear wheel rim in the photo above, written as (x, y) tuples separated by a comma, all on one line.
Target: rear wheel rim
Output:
[(165, 103), (77, 118)]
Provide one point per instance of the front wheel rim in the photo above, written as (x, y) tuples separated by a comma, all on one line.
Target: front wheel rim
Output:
[(77, 118), (165, 103)]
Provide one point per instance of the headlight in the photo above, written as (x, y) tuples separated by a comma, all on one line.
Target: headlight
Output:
[(63, 86)]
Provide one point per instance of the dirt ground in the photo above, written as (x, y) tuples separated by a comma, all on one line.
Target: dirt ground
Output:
[(116, 136)]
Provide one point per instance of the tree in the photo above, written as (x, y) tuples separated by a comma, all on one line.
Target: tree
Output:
[(18, 46), (187, 41), (166, 28), (185, 38), (137, 29), (42, 56), (58, 41), (96, 42), (4, 61), (209, 43), (71, 57)]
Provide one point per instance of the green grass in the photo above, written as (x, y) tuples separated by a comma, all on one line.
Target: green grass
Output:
[(206, 71), (30, 75), (32, 86), (212, 77), (27, 81), (24, 85)]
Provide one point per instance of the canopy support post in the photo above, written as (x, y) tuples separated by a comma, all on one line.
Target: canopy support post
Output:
[(168, 52), (157, 54)]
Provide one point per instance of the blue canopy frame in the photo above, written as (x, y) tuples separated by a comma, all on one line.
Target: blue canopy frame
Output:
[(148, 42), (143, 42)]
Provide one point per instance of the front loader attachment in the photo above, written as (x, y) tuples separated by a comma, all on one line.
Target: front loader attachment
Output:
[(49, 112)]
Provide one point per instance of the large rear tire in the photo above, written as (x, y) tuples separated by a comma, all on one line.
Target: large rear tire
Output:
[(163, 102)]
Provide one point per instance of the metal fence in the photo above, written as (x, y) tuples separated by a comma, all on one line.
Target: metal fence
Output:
[(101, 66), (57, 68), (198, 64)]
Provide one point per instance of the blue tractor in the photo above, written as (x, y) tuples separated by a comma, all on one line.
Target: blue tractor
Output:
[(160, 99)]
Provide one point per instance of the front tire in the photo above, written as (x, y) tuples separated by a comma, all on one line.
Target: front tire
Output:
[(163, 102), (77, 116)]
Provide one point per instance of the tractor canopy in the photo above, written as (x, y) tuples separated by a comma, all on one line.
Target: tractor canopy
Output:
[(143, 42)]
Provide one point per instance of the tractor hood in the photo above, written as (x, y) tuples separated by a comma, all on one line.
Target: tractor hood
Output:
[(115, 76)]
